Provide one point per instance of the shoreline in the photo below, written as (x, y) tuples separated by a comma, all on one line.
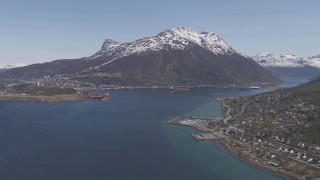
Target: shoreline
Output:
[(225, 144), (44, 99), (261, 87), (232, 146)]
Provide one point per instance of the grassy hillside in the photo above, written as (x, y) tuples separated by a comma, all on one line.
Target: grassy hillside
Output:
[(309, 91), (290, 113), (32, 89)]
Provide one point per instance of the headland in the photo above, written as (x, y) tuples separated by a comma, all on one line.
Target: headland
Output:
[(283, 158)]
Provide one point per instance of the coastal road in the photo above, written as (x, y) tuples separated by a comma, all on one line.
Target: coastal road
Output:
[(228, 116), (225, 120)]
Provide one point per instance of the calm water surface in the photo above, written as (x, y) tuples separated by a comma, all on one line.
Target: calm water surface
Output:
[(125, 137)]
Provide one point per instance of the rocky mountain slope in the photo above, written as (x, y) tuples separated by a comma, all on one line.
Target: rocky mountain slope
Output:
[(178, 56)]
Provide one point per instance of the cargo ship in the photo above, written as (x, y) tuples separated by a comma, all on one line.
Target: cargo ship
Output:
[(254, 87), (182, 89), (98, 96)]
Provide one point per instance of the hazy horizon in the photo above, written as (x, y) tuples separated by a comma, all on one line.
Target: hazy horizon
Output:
[(41, 31)]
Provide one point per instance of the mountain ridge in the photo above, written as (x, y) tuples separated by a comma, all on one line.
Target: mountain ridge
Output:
[(286, 60), (179, 56), (289, 65), (177, 38)]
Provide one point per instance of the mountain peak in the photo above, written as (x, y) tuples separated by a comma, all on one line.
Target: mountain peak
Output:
[(109, 43), (178, 56), (182, 30), (178, 38)]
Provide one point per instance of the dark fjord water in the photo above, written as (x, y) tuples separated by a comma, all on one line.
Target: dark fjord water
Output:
[(125, 137)]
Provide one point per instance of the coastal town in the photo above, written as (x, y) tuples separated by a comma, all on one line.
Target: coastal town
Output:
[(105, 81), (271, 130)]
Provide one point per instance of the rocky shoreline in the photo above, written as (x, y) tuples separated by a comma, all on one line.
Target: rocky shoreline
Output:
[(232, 147)]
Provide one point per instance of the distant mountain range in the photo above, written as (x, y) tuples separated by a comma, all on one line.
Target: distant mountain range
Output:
[(179, 56), (289, 65), (4, 68)]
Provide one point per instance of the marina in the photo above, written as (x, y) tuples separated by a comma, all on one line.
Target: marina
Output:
[(193, 121)]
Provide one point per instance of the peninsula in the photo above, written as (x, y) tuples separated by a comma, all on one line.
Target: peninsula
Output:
[(33, 93), (277, 130)]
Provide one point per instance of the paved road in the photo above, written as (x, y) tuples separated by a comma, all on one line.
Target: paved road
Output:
[(225, 120)]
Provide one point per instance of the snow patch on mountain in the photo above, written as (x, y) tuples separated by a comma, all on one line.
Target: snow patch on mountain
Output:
[(3, 66), (178, 38), (287, 60), (109, 44), (314, 61)]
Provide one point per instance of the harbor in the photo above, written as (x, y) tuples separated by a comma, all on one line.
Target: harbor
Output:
[(193, 121), (207, 125)]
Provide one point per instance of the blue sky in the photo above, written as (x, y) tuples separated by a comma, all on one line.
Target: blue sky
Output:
[(37, 31)]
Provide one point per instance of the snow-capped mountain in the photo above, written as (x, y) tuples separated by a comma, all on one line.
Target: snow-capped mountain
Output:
[(286, 60), (313, 61), (289, 65), (178, 38), (178, 56), (2, 66)]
